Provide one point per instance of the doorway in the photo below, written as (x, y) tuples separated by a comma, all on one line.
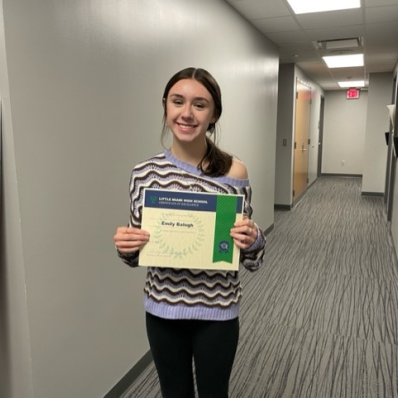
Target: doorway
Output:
[(301, 139)]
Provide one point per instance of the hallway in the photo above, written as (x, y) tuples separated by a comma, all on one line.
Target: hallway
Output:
[(320, 318)]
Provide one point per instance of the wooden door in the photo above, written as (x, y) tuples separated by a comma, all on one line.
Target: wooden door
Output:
[(301, 138)]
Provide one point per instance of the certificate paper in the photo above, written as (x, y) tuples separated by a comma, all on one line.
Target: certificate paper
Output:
[(190, 230)]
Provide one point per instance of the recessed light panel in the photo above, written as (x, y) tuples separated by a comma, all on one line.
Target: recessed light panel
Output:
[(308, 6), (344, 61), (352, 83)]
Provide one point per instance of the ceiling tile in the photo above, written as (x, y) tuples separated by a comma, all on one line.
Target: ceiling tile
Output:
[(374, 57), (299, 46), (377, 58), (381, 29), (311, 53), (382, 42), (343, 77), (277, 24), (255, 9), (381, 14), (375, 3), (332, 33), (380, 67), (300, 56), (330, 19), (316, 68), (380, 61), (389, 51), (348, 72), (287, 37), (376, 22)]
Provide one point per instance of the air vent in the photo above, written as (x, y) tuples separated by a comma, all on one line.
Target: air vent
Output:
[(338, 44)]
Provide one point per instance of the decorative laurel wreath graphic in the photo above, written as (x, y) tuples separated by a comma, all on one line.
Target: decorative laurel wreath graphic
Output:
[(189, 245)]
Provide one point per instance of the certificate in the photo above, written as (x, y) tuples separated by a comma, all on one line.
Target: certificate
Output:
[(190, 230)]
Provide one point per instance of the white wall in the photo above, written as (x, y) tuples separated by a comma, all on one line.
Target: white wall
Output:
[(285, 131), (377, 123), (15, 369), (344, 133), (85, 81), (288, 74), (394, 220)]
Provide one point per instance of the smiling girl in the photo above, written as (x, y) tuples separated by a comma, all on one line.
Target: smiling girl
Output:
[(192, 315)]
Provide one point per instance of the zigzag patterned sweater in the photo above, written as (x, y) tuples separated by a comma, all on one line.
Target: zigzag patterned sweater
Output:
[(188, 293)]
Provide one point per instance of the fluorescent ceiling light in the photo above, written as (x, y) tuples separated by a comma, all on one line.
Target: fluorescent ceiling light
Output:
[(353, 83), (344, 61), (308, 6)]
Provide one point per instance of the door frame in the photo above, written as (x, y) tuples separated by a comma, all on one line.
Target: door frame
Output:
[(320, 136), (391, 160)]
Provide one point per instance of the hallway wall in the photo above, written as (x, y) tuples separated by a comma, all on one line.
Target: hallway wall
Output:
[(82, 87), (344, 133), (285, 126), (15, 355), (394, 220), (377, 123)]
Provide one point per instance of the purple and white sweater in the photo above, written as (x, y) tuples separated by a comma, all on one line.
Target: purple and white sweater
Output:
[(188, 293)]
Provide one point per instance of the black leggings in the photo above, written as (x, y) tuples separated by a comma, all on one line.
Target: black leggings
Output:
[(212, 344)]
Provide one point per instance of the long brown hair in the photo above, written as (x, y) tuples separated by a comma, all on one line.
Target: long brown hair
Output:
[(215, 162)]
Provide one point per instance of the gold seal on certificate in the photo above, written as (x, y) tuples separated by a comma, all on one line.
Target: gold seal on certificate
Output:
[(190, 230)]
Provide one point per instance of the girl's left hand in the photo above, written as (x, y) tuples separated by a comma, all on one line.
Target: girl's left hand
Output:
[(244, 233)]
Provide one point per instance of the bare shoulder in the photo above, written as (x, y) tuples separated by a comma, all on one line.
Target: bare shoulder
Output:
[(238, 170)]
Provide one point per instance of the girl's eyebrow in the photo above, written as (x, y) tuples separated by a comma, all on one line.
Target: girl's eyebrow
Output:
[(195, 99)]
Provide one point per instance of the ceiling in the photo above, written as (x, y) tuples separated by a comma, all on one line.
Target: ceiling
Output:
[(375, 25)]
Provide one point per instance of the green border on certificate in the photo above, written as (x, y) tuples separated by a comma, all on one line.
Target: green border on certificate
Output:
[(190, 229)]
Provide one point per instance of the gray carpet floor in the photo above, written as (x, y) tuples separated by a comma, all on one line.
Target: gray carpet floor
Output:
[(319, 320)]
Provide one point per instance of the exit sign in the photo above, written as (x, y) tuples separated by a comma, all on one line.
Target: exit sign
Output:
[(352, 93)]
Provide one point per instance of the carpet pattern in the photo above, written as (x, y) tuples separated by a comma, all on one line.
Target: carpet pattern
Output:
[(319, 319)]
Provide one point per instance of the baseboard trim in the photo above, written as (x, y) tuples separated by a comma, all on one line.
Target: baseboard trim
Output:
[(340, 175), (268, 230), (290, 207), (295, 201), (372, 194), (312, 183), (123, 385), (393, 244), (283, 207)]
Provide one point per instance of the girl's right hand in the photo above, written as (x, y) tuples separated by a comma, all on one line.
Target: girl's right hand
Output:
[(129, 240)]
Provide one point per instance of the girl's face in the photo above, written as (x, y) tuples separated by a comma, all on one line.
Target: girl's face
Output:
[(189, 111)]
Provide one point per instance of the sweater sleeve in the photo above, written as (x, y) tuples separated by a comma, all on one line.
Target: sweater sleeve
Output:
[(252, 257), (136, 197)]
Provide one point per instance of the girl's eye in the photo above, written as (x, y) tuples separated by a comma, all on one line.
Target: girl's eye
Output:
[(177, 102), (200, 105)]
